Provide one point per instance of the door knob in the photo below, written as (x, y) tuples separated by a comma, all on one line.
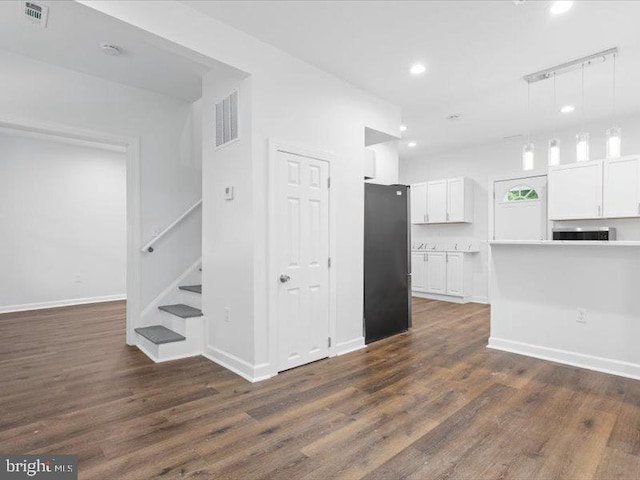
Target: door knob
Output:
[(284, 278)]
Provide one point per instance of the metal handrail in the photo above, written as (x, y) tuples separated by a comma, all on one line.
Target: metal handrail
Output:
[(149, 245)]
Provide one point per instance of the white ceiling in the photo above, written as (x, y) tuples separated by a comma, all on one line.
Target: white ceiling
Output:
[(72, 40), (476, 53)]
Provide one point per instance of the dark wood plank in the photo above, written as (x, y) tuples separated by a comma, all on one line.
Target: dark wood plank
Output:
[(431, 403)]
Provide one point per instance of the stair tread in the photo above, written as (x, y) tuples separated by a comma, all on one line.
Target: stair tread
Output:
[(181, 310), (159, 334), (191, 288)]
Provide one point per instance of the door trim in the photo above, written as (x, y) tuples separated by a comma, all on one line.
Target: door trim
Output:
[(274, 147), (130, 146)]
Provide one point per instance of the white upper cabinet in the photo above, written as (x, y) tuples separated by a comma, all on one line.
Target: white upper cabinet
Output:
[(419, 203), (575, 191), (442, 201), (437, 201), (622, 187)]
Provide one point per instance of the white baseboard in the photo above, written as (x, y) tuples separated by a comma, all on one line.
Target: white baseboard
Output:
[(590, 362), (348, 347), (237, 365), (61, 303), (450, 298), (483, 300)]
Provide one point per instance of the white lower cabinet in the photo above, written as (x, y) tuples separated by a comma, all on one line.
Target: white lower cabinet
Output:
[(436, 272), (455, 274), (441, 273), (418, 271)]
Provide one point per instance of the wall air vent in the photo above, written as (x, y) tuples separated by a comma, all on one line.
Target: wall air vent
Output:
[(227, 119), (36, 13)]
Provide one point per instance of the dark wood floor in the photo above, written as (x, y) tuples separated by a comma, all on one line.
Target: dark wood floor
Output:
[(430, 404)]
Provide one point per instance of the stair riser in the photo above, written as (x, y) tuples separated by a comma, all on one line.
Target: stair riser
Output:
[(191, 328), (190, 347), (191, 299)]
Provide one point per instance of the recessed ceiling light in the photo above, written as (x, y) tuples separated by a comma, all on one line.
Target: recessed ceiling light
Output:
[(567, 109), (111, 50), (454, 116), (560, 7), (403, 128), (412, 144), (417, 69)]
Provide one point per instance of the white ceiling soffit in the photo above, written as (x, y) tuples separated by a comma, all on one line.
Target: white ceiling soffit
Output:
[(373, 137), (476, 53), (73, 37)]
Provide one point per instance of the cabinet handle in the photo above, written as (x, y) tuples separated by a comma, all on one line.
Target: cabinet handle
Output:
[(599, 210), (424, 217), (447, 217), (638, 208), (426, 258)]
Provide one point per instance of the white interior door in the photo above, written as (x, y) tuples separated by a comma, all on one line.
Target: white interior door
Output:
[(520, 209), (303, 253)]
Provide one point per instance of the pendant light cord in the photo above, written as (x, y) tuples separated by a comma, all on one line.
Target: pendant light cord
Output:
[(614, 90), (555, 106), (528, 112), (582, 99)]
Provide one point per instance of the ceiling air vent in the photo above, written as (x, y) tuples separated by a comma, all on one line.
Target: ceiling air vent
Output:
[(227, 120), (36, 14)]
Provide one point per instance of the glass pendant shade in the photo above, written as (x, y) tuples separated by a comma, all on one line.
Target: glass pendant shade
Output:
[(554, 152), (527, 157), (582, 147), (613, 142)]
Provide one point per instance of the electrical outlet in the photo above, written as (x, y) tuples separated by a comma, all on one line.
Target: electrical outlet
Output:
[(582, 316), (77, 278), (227, 314)]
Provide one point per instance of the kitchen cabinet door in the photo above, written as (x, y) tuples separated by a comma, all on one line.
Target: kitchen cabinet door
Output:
[(622, 187), (575, 191), (418, 272), (455, 274), (455, 200), (419, 203), (437, 201), (436, 272)]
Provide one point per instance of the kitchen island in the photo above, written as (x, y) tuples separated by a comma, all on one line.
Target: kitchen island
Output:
[(573, 302)]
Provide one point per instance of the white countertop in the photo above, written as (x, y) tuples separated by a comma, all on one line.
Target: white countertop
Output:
[(612, 243)]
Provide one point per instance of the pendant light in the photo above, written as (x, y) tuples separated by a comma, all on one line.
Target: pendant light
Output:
[(554, 143), (582, 138), (527, 149), (613, 133)]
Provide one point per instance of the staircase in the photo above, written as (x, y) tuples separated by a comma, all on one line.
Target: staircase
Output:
[(180, 330)]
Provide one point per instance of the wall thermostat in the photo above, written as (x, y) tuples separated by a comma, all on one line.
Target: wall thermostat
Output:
[(228, 193)]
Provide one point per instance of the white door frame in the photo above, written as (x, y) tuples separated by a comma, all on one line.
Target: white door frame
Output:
[(272, 267), (131, 147)]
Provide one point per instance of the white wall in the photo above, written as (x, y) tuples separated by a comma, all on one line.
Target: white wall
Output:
[(482, 162), (387, 160), (537, 291), (62, 223), (33, 91), (292, 102)]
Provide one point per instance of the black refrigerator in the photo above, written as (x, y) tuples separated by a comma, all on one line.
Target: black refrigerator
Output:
[(387, 264)]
